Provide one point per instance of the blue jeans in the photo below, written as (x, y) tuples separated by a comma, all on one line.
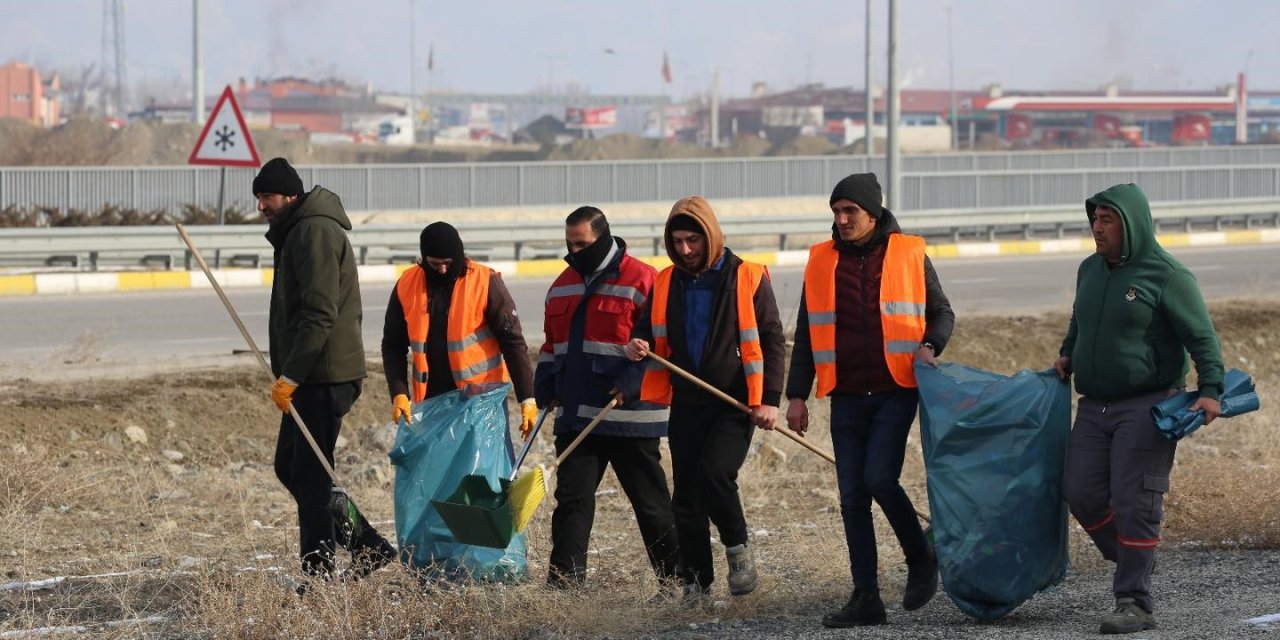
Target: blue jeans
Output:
[(869, 434)]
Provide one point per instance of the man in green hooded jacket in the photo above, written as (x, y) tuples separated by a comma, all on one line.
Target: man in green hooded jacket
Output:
[(317, 355), (1137, 314)]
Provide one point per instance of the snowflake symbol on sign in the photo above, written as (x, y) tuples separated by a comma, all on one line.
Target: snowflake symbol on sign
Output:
[(225, 134)]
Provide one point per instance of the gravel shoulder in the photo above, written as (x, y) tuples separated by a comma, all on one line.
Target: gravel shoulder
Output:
[(1199, 594)]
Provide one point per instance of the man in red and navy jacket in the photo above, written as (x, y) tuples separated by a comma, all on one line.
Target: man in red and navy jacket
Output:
[(590, 311)]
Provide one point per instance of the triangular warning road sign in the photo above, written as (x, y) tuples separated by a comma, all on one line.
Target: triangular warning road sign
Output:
[(225, 140)]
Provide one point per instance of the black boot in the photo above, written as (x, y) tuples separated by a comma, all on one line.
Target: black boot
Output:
[(864, 608), (922, 580), (371, 556)]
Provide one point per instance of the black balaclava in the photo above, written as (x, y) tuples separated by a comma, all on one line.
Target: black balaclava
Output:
[(441, 240), (587, 261)]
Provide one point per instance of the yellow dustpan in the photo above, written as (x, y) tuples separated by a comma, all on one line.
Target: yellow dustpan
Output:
[(530, 489)]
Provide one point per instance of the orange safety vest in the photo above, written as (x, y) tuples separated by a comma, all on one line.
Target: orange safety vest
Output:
[(902, 304), (474, 355), (657, 379)]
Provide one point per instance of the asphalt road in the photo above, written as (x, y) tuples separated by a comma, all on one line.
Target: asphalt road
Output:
[(101, 334)]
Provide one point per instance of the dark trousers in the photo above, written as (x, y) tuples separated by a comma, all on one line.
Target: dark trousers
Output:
[(1117, 473), (322, 407), (708, 446), (637, 463), (869, 434)]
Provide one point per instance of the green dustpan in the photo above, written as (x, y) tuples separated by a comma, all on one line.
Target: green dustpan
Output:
[(475, 514)]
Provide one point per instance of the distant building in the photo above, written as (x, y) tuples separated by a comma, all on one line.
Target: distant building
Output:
[(24, 95)]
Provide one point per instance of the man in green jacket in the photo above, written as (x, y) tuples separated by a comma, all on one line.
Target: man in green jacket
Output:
[(1137, 313), (317, 354)]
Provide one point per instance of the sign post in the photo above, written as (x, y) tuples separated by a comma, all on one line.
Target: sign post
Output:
[(224, 142)]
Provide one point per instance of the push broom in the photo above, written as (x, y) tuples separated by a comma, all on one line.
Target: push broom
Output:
[(745, 409), (530, 489), (341, 505)]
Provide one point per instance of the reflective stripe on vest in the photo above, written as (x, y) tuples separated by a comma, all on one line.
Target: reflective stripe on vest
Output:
[(902, 308), (474, 354), (657, 379)]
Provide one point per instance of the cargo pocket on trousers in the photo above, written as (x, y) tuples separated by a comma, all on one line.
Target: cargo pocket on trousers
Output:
[(1156, 486)]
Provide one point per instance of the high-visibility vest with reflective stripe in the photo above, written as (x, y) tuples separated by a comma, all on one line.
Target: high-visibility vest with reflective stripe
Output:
[(902, 305), (474, 354), (657, 379)]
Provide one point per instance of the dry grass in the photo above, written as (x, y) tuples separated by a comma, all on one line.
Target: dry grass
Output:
[(204, 539)]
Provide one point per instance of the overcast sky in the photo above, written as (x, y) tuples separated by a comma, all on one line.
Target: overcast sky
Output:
[(518, 46)]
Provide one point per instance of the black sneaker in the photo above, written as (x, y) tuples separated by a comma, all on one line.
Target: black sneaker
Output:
[(922, 580), (865, 608)]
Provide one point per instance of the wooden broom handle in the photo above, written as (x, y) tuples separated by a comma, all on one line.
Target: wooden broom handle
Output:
[(306, 433), (744, 408), (613, 402), (741, 407)]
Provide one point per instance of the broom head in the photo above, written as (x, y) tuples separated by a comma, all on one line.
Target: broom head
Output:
[(526, 493)]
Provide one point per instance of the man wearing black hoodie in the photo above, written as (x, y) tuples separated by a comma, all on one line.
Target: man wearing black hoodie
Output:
[(714, 315), (317, 354), (870, 309)]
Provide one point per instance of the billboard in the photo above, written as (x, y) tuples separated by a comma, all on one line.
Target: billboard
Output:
[(590, 117)]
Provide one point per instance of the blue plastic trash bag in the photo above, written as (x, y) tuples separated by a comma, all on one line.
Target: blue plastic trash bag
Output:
[(1176, 423), (449, 437), (994, 450)]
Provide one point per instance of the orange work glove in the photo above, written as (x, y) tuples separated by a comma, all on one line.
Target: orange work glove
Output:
[(400, 407), (282, 393), (528, 417)]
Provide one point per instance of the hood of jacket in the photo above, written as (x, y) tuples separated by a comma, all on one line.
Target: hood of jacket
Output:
[(1135, 212), (700, 210), (319, 202)]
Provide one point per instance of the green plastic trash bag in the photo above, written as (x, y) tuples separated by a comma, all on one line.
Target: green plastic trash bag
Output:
[(448, 438), (994, 450)]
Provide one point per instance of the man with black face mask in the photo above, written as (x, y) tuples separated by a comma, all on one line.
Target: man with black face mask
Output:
[(446, 301), (590, 310)]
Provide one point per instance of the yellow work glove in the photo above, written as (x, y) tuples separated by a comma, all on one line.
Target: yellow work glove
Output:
[(400, 407), (282, 393), (528, 417)]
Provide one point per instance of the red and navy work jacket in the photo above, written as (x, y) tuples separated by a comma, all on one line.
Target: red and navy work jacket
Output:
[(587, 326)]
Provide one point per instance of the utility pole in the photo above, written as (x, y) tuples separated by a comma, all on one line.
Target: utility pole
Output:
[(869, 141), (413, 72), (951, 84), (715, 109), (893, 152), (197, 66)]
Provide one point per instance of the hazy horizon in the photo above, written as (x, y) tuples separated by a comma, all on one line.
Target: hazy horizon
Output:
[(566, 44)]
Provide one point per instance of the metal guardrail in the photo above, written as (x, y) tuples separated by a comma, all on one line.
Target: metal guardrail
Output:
[(435, 186), (160, 247)]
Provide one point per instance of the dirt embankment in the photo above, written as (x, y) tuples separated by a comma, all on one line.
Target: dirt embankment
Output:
[(84, 142)]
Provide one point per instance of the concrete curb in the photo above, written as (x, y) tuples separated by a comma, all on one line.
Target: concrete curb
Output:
[(122, 281)]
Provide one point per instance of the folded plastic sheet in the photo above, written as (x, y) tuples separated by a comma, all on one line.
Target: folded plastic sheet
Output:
[(994, 450), (448, 438), (1176, 422)]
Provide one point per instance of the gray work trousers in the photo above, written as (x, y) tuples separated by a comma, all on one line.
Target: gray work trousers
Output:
[(1117, 473)]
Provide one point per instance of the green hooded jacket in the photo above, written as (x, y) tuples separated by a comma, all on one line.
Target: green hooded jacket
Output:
[(1134, 322), (315, 295)]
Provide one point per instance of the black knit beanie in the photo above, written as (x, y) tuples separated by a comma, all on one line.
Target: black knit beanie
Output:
[(278, 176), (863, 190), (685, 223), (441, 240)]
